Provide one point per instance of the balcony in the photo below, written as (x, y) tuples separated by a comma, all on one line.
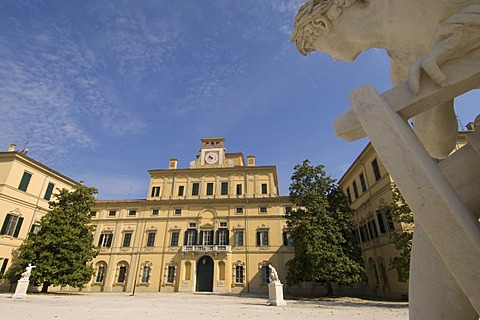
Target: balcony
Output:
[(207, 248)]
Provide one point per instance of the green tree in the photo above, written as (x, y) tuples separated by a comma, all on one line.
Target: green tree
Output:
[(321, 227), (401, 213), (63, 247)]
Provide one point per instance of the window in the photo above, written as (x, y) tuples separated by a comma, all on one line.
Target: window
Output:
[(385, 222), (224, 188), (105, 240), (112, 213), (174, 238), (210, 189), (190, 237), (364, 233), (362, 182), (132, 212), (264, 188), (171, 274), (48, 192), (373, 229), (151, 238), (93, 213), (355, 189), (222, 237), (192, 225), (239, 235), (4, 266), (206, 237), (181, 189), (239, 274), (239, 210), (122, 273), (265, 274), (155, 192), (145, 274), (101, 268), (287, 239), (127, 238), (223, 224), (25, 181), (35, 228), (349, 195), (262, 238), (155, 212), (11, 225), (239, 189), (262, 209), (177, 212), (376, 170), (195, 188), (288, 209)]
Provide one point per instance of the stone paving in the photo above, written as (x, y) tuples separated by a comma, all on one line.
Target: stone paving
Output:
[(181, 306)]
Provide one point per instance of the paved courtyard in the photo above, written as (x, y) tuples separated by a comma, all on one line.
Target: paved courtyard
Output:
[(190, 306)]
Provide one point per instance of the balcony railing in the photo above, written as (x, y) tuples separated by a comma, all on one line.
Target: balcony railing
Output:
[(207, 248)]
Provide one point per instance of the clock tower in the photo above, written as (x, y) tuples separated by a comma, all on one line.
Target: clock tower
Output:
[(212, 152)]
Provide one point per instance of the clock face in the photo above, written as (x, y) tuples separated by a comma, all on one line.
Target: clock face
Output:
[(211, 157)]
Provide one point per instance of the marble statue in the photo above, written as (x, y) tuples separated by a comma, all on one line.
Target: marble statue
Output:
[(435, 56), (28, 271), (273, 274)]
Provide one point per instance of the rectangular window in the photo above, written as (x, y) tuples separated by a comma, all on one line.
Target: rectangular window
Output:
[(385, 222), (363, 233), (112, 213), (190, 237), (210, 189), (100, 273), (262, 209), (239, 210), (155, 192), (288, 209), (93, 213), (35, 228), (265, 273), (11, 225), (177, 212), (349, 195), (376, 170), (195, 188), (373, 229), (362, 182), (207, 238), (127, 238), (105, 240), (287, 239), (181, 189), (25, 181), (224, 189), (355, 189), (239, 235), (151, 239), (262, 238), (239, 189), (171, 274), (132, 212), (264, 188), (222, 235), (174, 238), (48, 192), (122, 273), (4, 266), (146, 274), (239, 278), (155, 212)]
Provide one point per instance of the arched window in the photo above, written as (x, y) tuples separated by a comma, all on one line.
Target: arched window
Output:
[(264, 272), (122, 272), (101, 271), (145, 272), (238, 273)]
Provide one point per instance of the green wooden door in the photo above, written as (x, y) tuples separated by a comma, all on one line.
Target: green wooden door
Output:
[(205, 274)]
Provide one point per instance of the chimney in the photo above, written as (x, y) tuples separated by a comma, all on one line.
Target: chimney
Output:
[(172, 164), (251, 161), (12, 147)]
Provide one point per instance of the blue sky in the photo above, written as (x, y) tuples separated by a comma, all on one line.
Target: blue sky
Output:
[(102, 91)]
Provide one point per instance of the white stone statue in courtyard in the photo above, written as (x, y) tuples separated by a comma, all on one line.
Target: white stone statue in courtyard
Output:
[(435, 56), (273, 274), (275, 289), (28, 271)]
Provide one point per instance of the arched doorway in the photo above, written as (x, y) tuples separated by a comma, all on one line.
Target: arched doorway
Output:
[(204, 274)]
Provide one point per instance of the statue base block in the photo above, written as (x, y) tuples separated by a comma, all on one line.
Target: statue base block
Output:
[(21, 290), (275, 294)]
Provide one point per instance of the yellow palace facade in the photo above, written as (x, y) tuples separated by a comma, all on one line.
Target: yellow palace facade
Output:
[(212, 227)]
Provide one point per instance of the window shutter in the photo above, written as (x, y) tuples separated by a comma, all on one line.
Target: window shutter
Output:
[(195, 235), (18, 227), (217, 237), (185, 238), (200, 239), (4, 266), (258, 238), (227, 240), (285, 241), (5, 223), (266, 239), (100, 240), (109, 241)]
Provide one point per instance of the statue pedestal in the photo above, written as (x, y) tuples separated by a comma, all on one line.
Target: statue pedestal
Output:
[(275, 294), (21, 290)]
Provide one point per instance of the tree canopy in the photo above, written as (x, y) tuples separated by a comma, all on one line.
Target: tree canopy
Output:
[(63, 246), (321, 227)]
